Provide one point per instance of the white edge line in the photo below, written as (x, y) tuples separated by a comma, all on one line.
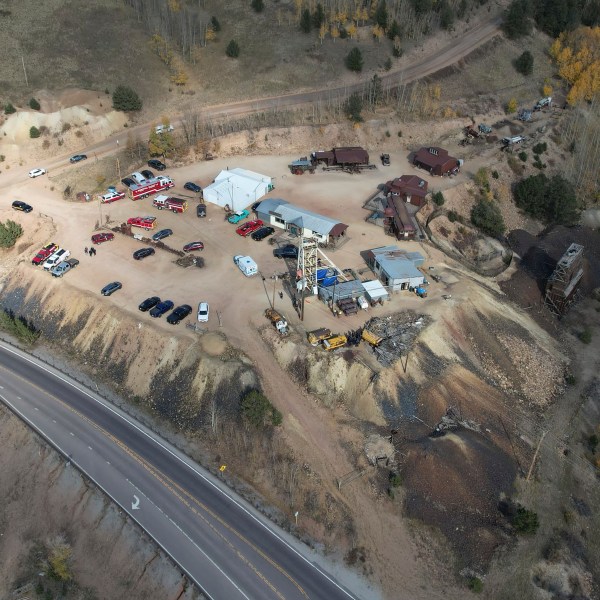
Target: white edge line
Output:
[(101, 487), (130, 420)]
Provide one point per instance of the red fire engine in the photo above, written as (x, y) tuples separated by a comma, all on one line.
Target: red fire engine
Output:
[(177, 205), (158, 184), (143, 222)]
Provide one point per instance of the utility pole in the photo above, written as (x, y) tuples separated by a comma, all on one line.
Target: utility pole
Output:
[(24, 70)]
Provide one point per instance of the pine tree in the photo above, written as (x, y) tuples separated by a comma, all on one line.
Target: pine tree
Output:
[(233, 49), (305, 21), (354, 60), (126, 99)]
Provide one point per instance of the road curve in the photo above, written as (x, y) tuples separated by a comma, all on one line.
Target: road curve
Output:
[(226, 547)]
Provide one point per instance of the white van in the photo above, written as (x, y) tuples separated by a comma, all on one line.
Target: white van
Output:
[(246, 265), (56, 259), (138, 177)]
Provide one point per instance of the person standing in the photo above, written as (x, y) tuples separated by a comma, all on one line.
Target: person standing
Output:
[(86, 250)]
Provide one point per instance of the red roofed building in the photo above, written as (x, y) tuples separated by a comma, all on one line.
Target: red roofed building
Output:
[(410, 188), (398, 220), (436, 161)]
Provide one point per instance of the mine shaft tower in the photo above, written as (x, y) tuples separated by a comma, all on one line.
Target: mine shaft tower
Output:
[(562, 288)]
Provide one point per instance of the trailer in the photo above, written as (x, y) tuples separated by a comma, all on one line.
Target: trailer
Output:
[(150, 187), (176, 205), (146, 223), (278, 321), (350, 160)]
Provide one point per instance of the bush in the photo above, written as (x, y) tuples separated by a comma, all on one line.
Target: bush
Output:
[(452, 216), (570, 379), (593, 442), (9, 233), (540, 148), (495, 175), (126, 99), (475, 584), (438, 198), (511, 106), (9, 109), (524, 64), (18, 327), (34, 104), (305, 21), (354, 106), (233, 49), (215, 24), (395, 479), (486, 216), (525, 521), (523, 156), (354, 61), (584, 336), (34, 132), (258, 5), (257, 409)]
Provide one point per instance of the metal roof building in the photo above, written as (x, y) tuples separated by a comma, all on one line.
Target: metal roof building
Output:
[(237, 188), (299, 221), (396, 268)]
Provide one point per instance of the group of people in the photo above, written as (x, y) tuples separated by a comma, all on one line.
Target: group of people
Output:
[(90, 251)]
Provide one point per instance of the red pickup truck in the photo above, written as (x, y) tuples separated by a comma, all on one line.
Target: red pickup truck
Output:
[(146, 223), (44, 253), (249, 227)]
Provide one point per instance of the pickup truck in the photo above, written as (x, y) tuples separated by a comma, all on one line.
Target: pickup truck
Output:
[(238, 216), (66, 265)]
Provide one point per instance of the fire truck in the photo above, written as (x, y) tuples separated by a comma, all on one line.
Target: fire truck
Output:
[(146, 223), (143, 190), (177, 205)]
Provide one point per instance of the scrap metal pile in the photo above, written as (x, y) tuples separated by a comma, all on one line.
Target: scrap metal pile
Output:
[(398, 333)]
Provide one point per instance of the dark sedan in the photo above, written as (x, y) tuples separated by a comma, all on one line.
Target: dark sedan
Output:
[(192, 187), (180, 313), (262, 233), (128, 182), (77, 158), (18, 205), (162, 234), (289, 251), (149, 303), (111, 288), (147, 174), (161, 308), (142, 253), (156, 164)]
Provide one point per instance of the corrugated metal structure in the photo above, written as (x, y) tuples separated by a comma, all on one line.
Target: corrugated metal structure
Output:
[(562, 288), (341, 291), (396, 268), (350, 156)]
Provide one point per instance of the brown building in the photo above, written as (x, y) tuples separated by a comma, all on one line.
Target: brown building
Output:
[(354, 155), (436, 161), (397, 219), (410, 188)]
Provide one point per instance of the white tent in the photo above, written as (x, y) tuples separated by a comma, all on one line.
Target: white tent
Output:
[(238, 188)]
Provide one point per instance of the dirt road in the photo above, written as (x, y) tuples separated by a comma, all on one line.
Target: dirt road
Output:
[(437, 60)]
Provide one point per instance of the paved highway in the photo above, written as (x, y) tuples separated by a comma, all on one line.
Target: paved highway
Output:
[(226, 547)]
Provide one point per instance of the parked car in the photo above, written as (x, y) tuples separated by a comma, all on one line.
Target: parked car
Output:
[(193, 246), (203, 310), (37, 172), (249, 227), (147, 173), (201, 210), (162, 234), (262, 233), (149, 303), (60, 269), (163, 128), (112, 197), (142, 253), (77, 158), (161, 308), (99, 238), (288, 251), (128, 182), (180, 313), (44, 253), (192, 187), (385, 160), (56, 258), (23, 206), (156, 164), (111, 288), (238, 216)]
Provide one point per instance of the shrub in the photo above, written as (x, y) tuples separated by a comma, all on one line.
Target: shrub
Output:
[(585, 336), (438, 198), (354, 106), (215, 24), (525, 521), (481, 178), (34, 104), (34, 132), (523, 156), (258, 5), (486, 216), (257, 409), (354, 60), (452, 216), (18, 327), (9, 233), (511, 106), (9, 109), (540, 148), (593, 442), (475, 584), (388, 64), (524, 64), (233, 49), (570, 379), (125, 99), (305, 21), (495, 175), (395, 479)]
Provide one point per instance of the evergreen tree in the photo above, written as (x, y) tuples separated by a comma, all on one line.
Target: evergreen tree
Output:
[(233, 49), (34, 104), (524, 64), (354, 60), (394, 30), (258, 5), (381, 15), (305, 21), (446, 16), (126, 99), (215, 24), (517, 22), (354, 106), (486, 215), (318, 16), (9, 109)]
